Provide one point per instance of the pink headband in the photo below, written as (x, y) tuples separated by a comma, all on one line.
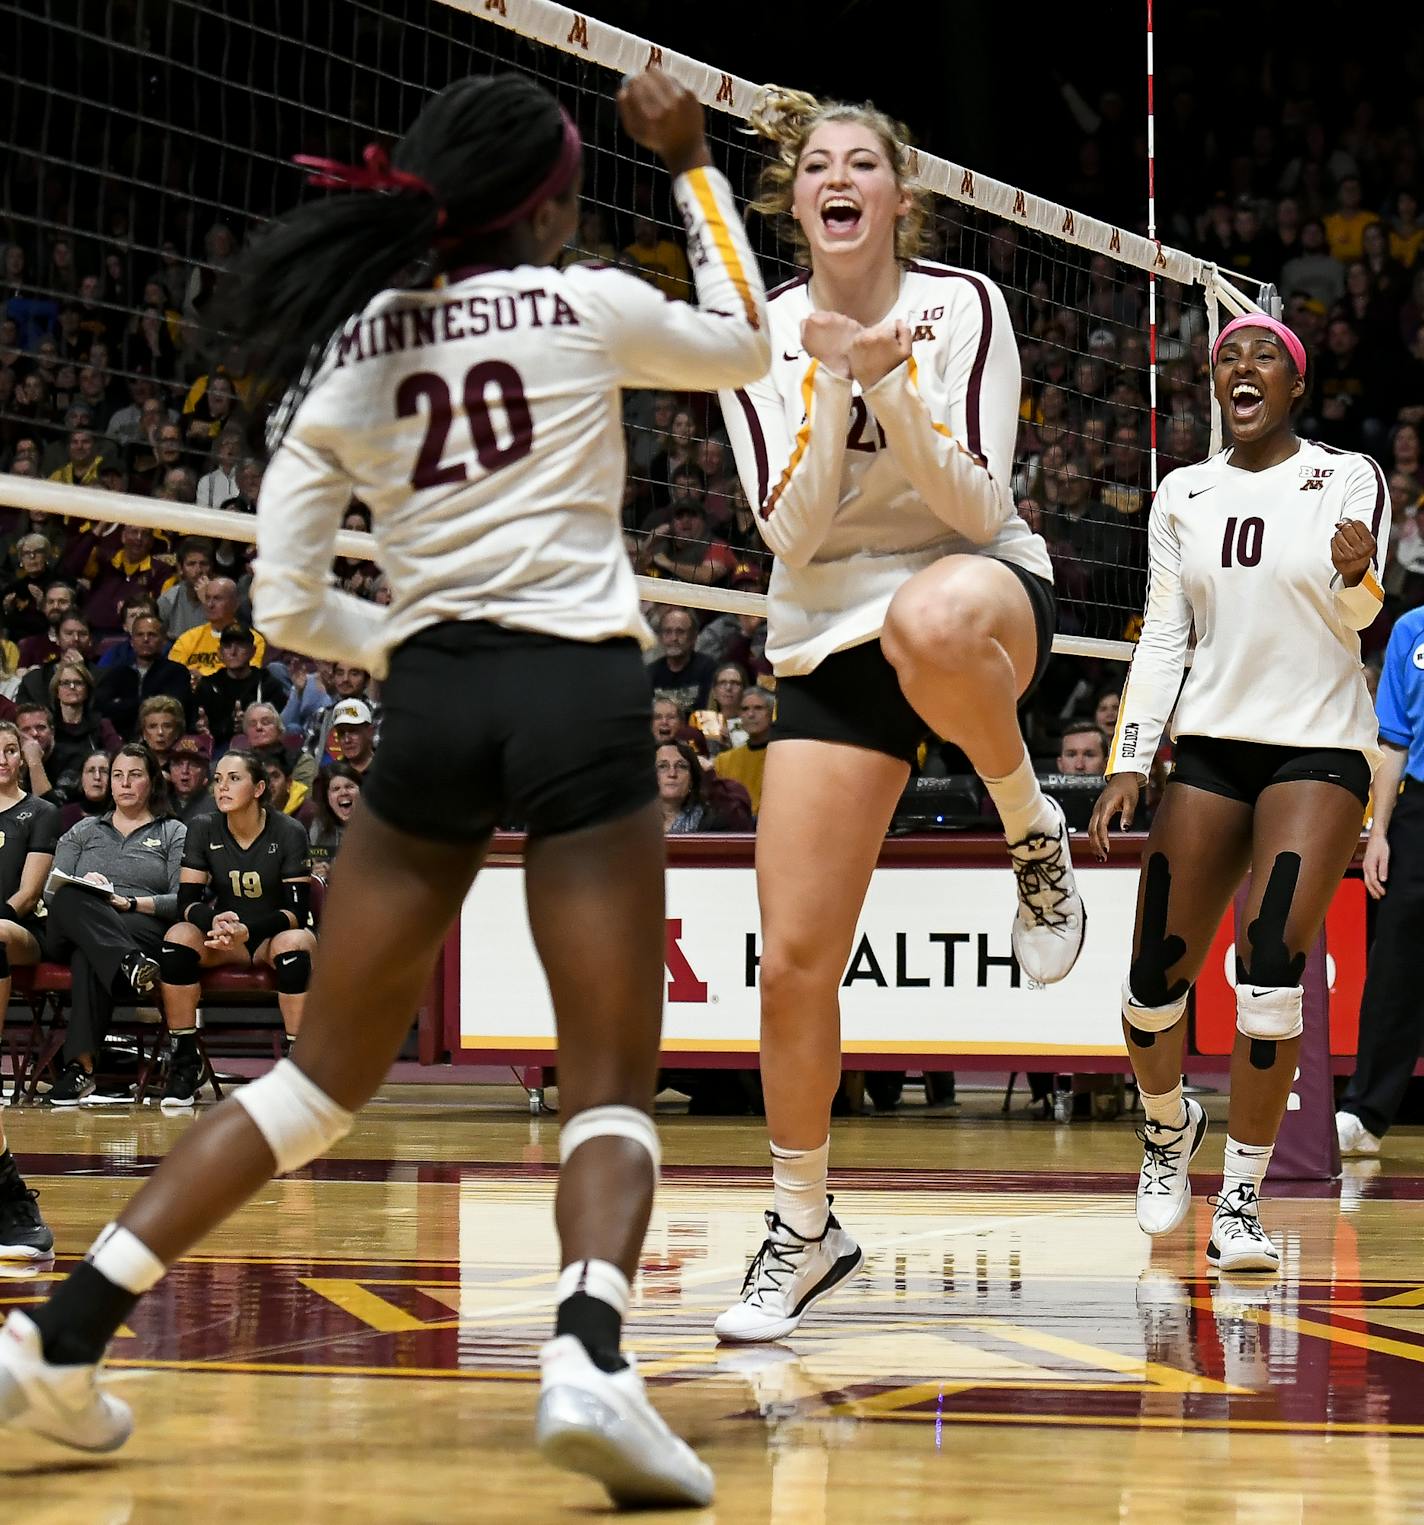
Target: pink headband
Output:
[(555, 183), (1294, 348)]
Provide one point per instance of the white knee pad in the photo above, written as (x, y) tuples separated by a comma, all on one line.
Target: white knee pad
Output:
[(1151, 1019), (610, 1122), (1270, 1012), (296, 1117)]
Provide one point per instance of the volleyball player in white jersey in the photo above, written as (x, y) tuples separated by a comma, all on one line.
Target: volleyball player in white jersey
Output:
[(479, 419), (1269, 550), (907, 598)]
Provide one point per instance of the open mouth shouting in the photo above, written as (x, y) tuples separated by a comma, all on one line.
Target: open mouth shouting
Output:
[(1247, 402), (840, 216)]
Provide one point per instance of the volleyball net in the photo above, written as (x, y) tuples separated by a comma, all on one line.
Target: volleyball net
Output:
[(142, 145)]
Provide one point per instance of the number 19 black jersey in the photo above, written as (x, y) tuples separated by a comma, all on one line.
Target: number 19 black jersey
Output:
[(247, 880)]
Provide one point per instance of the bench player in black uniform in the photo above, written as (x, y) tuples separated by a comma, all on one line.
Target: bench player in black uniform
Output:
[(243, 898), (29, 828)]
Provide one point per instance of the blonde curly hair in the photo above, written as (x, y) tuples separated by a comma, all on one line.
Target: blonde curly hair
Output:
[(786, 119)]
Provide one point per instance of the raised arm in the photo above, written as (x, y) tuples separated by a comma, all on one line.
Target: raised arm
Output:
[(1155, 677), (1355, 550), (791, 479), (952, 426)]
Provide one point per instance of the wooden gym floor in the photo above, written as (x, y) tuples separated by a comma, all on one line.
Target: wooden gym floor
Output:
[(359, 1344)]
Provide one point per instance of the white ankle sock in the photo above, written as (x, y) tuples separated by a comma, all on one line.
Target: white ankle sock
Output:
[(598, 1278), (798, 1179), (1245, 1164), (1022, 805), (1168, 1109), (125, 1260)]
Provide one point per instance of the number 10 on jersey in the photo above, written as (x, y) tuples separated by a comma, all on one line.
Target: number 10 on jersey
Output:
[(1245, 542)]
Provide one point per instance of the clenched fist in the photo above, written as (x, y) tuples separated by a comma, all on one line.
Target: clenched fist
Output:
[(661, 115)]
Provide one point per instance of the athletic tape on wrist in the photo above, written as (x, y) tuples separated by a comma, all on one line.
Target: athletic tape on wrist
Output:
[(610, 1122), (296, 1117)]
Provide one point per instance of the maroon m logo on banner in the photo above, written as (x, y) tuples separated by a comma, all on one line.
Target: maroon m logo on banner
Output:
[(683, 984)]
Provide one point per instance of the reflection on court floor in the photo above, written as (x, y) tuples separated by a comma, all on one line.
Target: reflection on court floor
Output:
[(1013, 1337)]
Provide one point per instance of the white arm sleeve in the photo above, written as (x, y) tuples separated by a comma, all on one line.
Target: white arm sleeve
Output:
[(722, 342), (794, 483), (958, 452), (1155, 678), (305, 495), (1365, 501)]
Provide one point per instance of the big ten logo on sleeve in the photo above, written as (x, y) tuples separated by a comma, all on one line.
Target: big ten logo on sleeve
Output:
[(1418, 660), (1315, 477)]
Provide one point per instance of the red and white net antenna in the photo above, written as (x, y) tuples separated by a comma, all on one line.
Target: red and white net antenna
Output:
[(1151, 274)]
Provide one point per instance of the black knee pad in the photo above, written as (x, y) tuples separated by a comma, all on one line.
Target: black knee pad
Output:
[(292, 972), (4, 962), (1156, 951), (1271, 961), (179, 965), (1263, 1053)]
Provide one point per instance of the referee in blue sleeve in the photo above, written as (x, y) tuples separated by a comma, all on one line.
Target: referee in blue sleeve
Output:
[(1392, 1008)]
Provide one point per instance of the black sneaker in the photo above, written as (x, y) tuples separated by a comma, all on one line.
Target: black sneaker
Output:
[(72, 1087), (185, 1075), (140, 971), (23, 1235)]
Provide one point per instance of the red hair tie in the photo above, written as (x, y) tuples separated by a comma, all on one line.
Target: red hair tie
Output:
[(375, 174)]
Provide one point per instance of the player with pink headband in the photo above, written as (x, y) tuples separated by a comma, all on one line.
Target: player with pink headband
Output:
[(1269, 551)]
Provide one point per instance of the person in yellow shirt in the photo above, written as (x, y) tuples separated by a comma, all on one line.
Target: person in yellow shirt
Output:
[(1345, 227), (747, 765), (1406, 231), (197, 649), (661, 258), (82, 467)]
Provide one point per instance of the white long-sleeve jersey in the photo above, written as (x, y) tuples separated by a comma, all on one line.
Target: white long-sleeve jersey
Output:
[(480, 422), (1244, 556), (855, 492)]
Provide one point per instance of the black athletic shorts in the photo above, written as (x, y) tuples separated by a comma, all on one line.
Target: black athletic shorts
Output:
[(1240, 770), (483, 724), (854, 696)]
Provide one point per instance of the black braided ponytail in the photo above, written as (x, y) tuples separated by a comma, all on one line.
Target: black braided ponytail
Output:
[(480, 146)]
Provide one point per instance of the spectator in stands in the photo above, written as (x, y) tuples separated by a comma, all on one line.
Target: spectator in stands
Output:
[(287, 794), (680, 793), (220, 484), (124, 686), (212, 414), (649, 433), (308, 697), (746, 764), (1314, 270), (181, 606), (262, 732), (73, 641), (347, 681), (149, 346), (1345, 226), (109, 939), (353, 734), (115, 652), (135, 568), (79, 728), (188, 768), (161, 721), (591, 244), (82, 467), (26, 602), (722, 723), (682, 673), (338, 787), (1406, 228), (37, 748), (179, 485), (93, 797), (668, 723), (679, 449), (163, 452), (681, 549), (197, 648), (1404, 455), (224, 696), (128, 424), (1105, 710), (661, 257), (1083, 749), (1345, 396)]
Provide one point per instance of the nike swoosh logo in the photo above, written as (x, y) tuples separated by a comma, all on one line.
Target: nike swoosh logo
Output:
[(795, 355), (1199, 492)]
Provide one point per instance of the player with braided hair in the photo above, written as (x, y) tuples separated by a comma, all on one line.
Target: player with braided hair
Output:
[(445, 371)]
